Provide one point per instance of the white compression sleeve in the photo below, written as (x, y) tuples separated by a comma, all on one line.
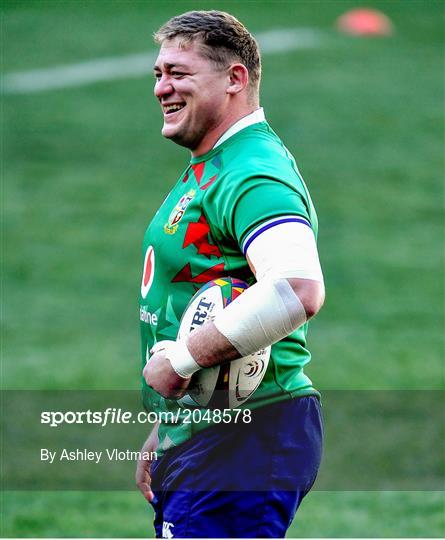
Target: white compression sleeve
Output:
[(285, 250)]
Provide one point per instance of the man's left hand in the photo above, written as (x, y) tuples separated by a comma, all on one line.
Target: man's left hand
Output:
[(159, 375)]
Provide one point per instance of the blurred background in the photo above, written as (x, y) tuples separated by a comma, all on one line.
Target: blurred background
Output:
[(84, 169)]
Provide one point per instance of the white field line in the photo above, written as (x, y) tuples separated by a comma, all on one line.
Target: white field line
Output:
[(136, 65)]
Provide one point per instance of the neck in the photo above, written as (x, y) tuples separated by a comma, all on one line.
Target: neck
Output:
[(214, 134)]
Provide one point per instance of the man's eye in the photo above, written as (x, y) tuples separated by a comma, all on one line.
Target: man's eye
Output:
[(177, 74), (157, 76)]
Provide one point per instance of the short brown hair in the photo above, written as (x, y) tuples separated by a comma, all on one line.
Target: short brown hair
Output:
[(222, 36)]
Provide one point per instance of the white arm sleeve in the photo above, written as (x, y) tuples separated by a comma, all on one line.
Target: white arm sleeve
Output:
[(286, 250)]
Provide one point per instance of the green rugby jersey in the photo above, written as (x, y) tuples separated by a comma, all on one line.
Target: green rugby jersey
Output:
[(200, 233)]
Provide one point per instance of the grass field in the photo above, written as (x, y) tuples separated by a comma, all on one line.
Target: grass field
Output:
[(85, 168)]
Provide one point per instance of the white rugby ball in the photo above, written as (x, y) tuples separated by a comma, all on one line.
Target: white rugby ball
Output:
[(231, 384)]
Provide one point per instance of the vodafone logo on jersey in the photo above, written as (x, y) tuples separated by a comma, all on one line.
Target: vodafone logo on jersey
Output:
[(148, 271)]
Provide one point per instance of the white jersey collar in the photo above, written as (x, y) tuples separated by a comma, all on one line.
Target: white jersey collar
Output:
[(252, 118)]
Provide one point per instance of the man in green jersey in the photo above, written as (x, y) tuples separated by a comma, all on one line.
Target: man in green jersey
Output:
[(239, 209)]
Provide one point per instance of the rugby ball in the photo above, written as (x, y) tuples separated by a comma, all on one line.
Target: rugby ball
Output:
[(228, 385)]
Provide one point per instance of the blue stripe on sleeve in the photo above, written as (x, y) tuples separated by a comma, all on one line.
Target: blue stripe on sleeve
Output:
[(271, 224)]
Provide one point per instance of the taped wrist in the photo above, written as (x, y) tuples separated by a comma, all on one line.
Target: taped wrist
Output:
[(264, 314), (180, 358)]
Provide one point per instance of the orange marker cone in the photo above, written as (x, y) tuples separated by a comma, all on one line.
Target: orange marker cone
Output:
[(365, 22)]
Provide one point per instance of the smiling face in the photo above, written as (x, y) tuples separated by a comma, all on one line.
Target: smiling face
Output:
[(193, 95)]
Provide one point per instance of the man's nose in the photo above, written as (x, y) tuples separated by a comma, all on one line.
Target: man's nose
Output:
[(163, 87)]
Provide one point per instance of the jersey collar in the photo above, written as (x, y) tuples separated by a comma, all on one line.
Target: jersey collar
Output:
[(246, 121)]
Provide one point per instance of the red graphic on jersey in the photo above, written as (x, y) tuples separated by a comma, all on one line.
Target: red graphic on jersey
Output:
[(209, 183), (186, 274), (186, 177), (198, 169), (198, 234), (148, 272)]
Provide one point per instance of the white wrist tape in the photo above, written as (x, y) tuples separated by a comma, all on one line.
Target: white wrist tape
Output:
[(265, 313), (180, 358)]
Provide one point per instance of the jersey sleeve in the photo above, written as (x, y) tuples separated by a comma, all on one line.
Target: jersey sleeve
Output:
[(239, 206)]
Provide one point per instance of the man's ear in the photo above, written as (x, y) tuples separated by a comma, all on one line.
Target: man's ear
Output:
[(238, 77)]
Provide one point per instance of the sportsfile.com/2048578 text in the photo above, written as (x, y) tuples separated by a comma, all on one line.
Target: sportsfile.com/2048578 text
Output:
[(113, 415)]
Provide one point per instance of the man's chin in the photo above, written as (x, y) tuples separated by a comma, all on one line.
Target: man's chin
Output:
[(167, 131), (171, 132), (176, 136)]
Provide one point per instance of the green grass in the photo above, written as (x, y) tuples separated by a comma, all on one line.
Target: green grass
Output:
[(322, 514), (84, 169)]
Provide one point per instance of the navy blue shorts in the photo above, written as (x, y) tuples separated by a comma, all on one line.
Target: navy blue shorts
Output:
[(240, 480)]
